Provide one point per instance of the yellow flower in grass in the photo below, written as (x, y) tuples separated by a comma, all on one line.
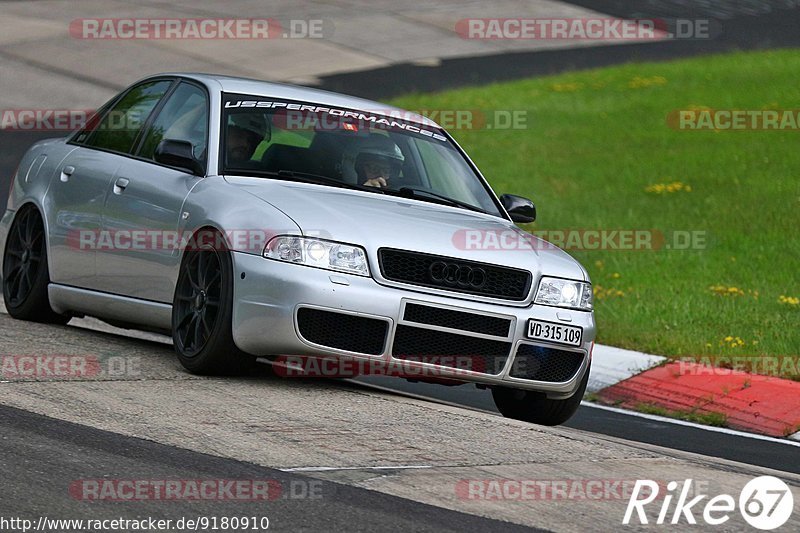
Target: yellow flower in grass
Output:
[(640, 82), (732, 342), (789, 300), (668, 188), (602, 293), (722, 290), (567, 87)]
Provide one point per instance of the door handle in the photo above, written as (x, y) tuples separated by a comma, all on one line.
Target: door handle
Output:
[(120, 185), (66, 172)]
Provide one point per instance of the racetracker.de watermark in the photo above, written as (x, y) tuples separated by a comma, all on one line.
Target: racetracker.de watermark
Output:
[(740, 365), (411, 366), (198, 28), (619, 239), (171, 490), (42, 367), (308, 119), (522, 490), (44, 119), (706, 119), (252, 240), (313, 118), (586, 29)]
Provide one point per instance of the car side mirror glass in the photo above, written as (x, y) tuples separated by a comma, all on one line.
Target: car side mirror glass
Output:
[(178, 154), (520, 209)]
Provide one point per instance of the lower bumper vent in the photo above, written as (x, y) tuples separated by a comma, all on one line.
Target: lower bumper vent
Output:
[(451, 318), (450, 349), (343, 331), (545, 364)]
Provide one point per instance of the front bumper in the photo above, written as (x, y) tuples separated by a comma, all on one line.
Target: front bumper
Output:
[(268, 295)]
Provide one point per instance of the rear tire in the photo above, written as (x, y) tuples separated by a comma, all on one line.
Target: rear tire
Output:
[(535, 407), (25, 270), (202, 315)]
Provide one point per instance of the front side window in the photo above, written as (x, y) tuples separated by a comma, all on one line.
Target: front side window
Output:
[(184, 117), (119, 128), (364, 149)]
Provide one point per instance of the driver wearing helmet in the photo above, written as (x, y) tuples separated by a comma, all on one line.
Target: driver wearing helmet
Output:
[(245, 132), (379, 159)]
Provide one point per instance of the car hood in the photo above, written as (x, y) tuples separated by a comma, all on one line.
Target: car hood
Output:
[(380, 221)]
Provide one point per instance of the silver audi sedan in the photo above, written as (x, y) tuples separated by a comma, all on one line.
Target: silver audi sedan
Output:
[(260, 221)]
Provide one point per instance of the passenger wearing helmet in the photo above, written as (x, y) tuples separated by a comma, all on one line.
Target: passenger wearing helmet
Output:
[(245, 132), (379, 159)]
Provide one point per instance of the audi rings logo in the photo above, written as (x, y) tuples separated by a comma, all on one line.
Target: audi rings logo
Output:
[(455, 275)]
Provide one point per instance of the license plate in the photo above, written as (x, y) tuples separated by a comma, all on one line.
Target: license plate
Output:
[(552, 332)]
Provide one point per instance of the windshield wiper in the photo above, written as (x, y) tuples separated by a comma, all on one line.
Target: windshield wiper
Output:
[(414, 192)]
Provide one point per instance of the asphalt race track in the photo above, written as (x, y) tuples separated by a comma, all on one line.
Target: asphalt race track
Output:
[(370, 453), (51, 454), (767, 452)]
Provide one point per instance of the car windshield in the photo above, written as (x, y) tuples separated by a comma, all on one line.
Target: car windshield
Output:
[(372, 150)]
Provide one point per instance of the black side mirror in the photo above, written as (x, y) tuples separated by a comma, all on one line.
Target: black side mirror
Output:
[(520, 209), (178, 154)]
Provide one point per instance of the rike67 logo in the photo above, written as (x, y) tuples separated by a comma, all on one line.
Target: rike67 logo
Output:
[(765, 503)]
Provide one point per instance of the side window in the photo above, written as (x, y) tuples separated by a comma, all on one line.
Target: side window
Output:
[(120, 127), (183, 118)]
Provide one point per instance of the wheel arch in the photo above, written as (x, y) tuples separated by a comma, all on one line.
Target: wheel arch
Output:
[(25, 204)]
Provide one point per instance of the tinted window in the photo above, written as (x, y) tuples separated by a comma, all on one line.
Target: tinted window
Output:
[(183, 118), (119, 128)]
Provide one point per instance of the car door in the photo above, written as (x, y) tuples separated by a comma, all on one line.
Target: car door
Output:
[(77, 195), (143, 207)]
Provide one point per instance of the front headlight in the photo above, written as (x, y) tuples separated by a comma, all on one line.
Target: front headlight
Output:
[(564, 293), (318, 253)]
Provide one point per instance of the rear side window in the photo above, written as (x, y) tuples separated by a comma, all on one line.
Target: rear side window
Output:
[(119, 128), (183, 118)]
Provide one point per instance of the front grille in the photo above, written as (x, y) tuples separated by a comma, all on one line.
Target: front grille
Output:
[(449, 318), (545, 364), (454, 274), (450, 349), (342, 331)]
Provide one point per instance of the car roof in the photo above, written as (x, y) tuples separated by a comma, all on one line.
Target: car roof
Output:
[(230, 84)]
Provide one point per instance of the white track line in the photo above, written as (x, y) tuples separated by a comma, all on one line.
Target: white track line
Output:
[(692, 424), (334, 468)]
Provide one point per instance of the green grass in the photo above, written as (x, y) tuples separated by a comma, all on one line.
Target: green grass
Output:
[(595, 140), (708, 418)]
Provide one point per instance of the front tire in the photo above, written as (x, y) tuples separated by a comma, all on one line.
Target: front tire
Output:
[(535, 407), (202, 315), (25, 270)]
